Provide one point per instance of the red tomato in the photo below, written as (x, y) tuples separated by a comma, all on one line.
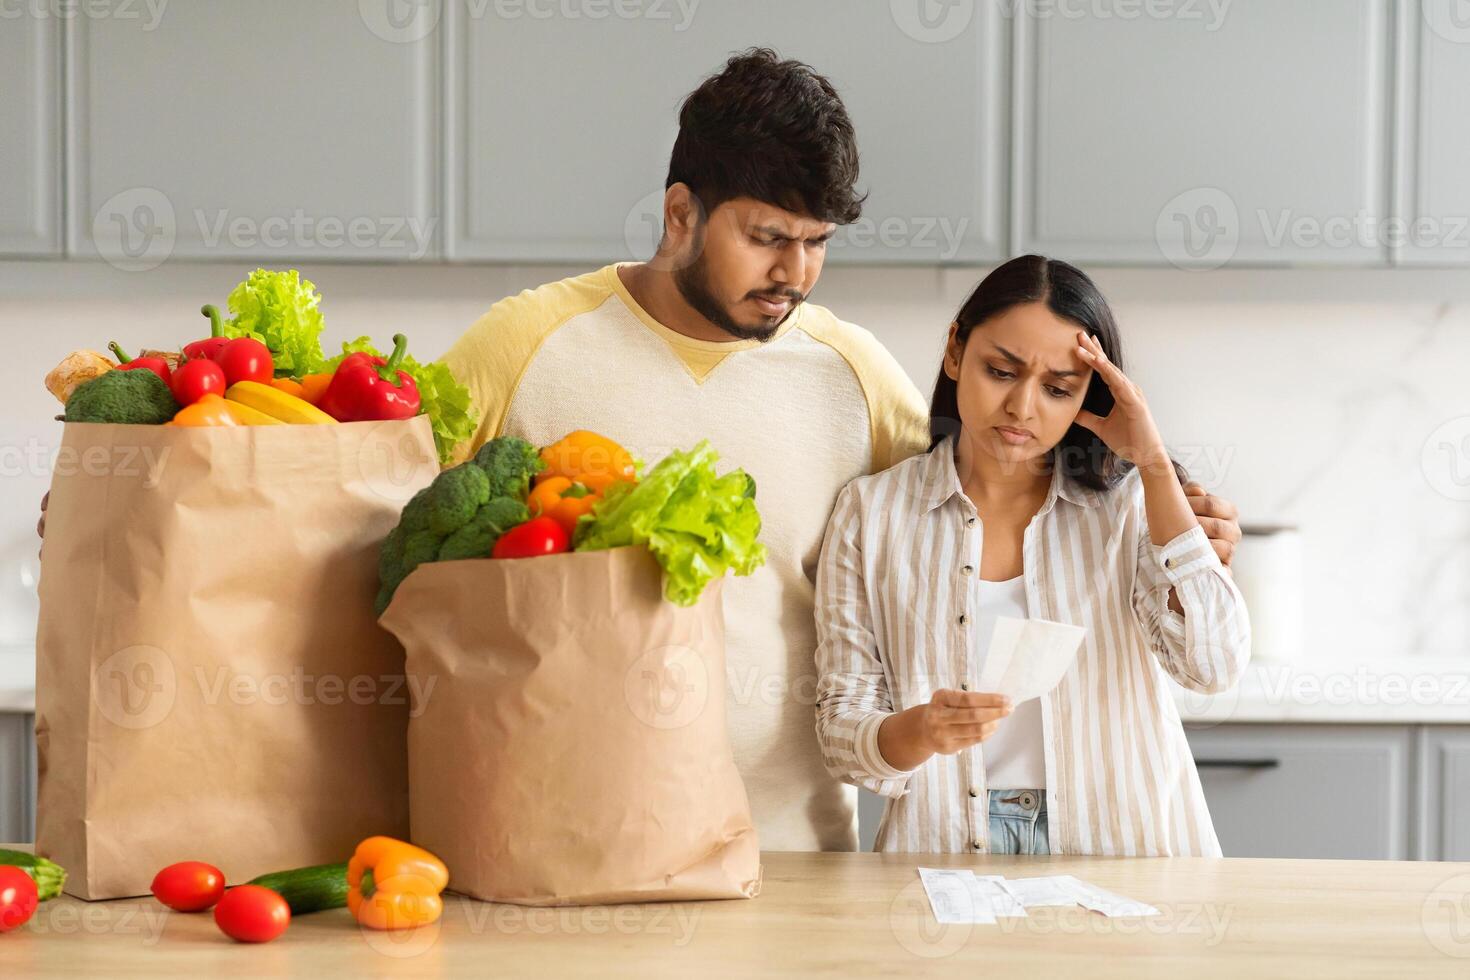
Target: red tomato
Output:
[(195, 379), (189, 886), (245, 359), (18, 898), (538, 536), (252, 914)]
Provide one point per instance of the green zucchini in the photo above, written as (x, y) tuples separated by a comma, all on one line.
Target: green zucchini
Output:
[(48, 875), (313, 889)]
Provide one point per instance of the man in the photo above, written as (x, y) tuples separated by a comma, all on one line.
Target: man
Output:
[(713, 338)]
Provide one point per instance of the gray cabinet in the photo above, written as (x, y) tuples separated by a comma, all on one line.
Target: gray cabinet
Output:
[(272, 130), (30, 118), (1258, 137), (559, 128), (1444, 766), (1308, 791), (1433, 136), (17, 778)]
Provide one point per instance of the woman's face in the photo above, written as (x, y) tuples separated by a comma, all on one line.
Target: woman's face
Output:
[(1020, 380)]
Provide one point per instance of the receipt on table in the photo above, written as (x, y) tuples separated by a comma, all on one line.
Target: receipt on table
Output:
[(959, 896), (1027, 657)]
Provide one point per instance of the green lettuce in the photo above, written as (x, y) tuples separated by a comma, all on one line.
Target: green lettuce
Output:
[(699, 525), (441, 397), (279, 309)]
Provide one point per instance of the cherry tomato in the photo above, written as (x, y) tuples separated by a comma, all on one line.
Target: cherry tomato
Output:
[(189, 886), (18, 898), (245, 359), (538, 536), (195, 379), (252, 914)]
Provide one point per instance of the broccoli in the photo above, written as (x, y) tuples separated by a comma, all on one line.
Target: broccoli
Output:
[(461, 514), (136, 397), (509, 463), (455, 496), (476, 538)]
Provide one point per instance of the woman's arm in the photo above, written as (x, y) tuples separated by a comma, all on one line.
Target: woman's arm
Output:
[(1188, 605), (852, 688)]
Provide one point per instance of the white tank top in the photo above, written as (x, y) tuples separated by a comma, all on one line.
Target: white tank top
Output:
[(1014, 757)]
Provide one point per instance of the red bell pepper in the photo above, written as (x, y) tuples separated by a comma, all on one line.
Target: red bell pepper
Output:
[(367, 388), (206, 349), (125, 363)]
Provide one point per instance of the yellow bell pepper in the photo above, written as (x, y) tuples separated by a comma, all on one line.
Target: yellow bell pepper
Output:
[(392, 884), (589, 459), (209, 410)]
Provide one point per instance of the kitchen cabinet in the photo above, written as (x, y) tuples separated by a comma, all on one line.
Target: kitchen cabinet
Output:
[(1432, 139), (1313, 791), (559, 128), (1255, 134), (272, 130), (30, 153), (17, 777), (1444, 766)]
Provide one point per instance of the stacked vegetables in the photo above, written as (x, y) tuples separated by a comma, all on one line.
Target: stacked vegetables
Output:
[(581, 493), (264, 366)]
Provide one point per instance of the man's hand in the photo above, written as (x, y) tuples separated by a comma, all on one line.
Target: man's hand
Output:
[(1219, 518)]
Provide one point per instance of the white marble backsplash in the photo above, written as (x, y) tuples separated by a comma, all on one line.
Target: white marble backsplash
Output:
[(1328, 400)]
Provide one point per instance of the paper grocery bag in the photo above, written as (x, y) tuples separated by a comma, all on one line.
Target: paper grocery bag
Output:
[(211, 681), (571, 745)]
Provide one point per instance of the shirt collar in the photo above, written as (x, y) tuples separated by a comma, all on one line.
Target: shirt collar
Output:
[(940, 481)]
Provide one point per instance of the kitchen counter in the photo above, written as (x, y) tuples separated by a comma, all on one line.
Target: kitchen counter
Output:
[(841, 914), (1410, 690)]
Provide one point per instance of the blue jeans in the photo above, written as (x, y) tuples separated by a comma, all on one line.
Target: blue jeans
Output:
[(1018, 822)]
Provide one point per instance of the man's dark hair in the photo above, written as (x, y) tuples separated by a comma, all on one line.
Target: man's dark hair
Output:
[(770, 129)]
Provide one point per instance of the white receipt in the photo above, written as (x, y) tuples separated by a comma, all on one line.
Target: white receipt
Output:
[(959, 896), (1027, 657)]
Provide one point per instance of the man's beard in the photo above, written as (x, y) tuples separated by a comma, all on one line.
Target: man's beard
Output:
[(693, 284)]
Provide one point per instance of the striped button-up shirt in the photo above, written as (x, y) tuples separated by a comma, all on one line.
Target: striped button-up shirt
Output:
[(896, 598)]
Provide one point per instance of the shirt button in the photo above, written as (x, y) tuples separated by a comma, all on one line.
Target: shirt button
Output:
[(964, 619), (964, 687), (974, 792), (970, 522), (1168, 563), (978, 845), (968, 570)]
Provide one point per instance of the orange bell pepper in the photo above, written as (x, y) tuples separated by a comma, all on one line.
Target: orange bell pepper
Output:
[(392, 884), (209, 410), (287, 385), (589, 459), (313, 386), (562, 500)]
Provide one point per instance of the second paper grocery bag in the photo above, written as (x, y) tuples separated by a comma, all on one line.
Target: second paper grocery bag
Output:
[(212, 682), (572, 746)]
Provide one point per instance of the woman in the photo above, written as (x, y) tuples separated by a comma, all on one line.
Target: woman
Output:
[(1047, 493)]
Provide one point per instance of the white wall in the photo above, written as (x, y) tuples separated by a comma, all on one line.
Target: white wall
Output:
[(1305, 396)]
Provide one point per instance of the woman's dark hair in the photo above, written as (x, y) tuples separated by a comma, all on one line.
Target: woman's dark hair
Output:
[(769, 129), (1070, 294)]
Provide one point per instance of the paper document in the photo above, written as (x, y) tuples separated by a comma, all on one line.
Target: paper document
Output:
[(959, 896), (1027, 657)]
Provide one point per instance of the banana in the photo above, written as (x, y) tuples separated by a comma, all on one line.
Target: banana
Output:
[(245, 415), (279, 405)]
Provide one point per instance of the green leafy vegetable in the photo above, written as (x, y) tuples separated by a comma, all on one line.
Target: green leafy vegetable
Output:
[(279, 309), (442, 398), (699, 525)]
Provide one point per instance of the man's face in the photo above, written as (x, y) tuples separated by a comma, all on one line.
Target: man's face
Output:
[(748, 264)]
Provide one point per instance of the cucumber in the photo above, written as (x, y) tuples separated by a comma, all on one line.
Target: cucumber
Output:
[(48, 875), (313, 889)]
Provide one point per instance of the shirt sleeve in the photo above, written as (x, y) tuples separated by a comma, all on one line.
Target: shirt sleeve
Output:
[(1207, 647), (852, 689)]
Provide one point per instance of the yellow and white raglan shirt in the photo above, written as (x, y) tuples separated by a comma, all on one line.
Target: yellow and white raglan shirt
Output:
[(819, 404)]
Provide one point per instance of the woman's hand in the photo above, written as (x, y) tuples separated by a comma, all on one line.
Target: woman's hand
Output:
[(1129, 429), (951, 721)]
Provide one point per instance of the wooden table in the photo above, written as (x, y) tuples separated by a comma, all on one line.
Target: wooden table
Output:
[(841, 915)]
